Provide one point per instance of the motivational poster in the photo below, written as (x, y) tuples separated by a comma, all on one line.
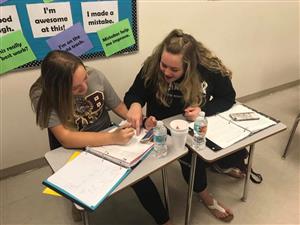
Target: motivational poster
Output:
[(2, 1), (49, 19), (73, 40), (9, 19), (99, 14), (14, 51), (116, 37)]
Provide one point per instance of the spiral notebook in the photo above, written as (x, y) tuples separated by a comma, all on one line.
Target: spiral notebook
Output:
[(126, 155), (95, 173), (222, 131)]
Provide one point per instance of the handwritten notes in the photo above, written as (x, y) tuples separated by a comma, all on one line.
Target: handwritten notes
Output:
[(49, 191), (88, 179)]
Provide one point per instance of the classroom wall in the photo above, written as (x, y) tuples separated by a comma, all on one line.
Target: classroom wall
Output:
[(259, 41)]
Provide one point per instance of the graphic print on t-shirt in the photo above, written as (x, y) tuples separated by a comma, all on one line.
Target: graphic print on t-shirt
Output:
[(88, 109)]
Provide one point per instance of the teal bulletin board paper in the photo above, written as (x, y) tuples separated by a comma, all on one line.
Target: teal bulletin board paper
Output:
[(127, 9), (14, 51), (116, 37)]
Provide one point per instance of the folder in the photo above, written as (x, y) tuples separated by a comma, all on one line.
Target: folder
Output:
[(93, 175), (87, 180), (222, 131)]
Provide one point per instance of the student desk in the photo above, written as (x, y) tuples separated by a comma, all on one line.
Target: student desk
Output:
[(58, 157), (210, 156)]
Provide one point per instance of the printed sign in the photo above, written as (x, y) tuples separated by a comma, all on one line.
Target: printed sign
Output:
[(100, 14), (14, 51), (116, 37), (73, 40), (49, 19), (9, 19)]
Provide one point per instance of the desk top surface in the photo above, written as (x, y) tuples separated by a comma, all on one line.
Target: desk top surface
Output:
[(59, 157), (210, 156)]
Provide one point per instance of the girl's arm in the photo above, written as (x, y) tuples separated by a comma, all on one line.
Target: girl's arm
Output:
[(223, 95), (121, 110), (135, 98), (77, 139)]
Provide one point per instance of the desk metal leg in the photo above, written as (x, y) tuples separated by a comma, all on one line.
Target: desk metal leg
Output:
[(250, 158), (190, 188), (291, 136), (165, 187)]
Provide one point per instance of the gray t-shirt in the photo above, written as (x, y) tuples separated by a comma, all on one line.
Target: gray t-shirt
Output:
[(91, 110)]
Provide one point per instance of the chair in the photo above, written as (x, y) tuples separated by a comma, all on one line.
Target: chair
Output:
[(54, 143), (291, 135)]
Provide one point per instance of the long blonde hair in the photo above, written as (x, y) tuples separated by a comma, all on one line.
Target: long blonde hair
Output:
[(194, 54), (55, 87)]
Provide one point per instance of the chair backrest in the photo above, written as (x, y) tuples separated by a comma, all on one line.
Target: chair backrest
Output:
[(53, 142)]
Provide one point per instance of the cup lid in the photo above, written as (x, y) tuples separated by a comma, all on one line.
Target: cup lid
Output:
[(179, 125)]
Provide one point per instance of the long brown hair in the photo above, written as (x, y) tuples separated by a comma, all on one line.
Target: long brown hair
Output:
[(194, 54), (53, 89)]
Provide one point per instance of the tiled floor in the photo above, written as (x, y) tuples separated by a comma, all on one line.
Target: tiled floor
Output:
[(275, 201)]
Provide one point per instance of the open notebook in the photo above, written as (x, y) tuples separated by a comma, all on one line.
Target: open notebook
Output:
[(126, 155), (222, 131), (89, 179)]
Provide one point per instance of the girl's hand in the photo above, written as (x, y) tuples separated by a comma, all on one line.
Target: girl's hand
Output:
[(122, 135), (191, 112), (150, 122), (135, 116)]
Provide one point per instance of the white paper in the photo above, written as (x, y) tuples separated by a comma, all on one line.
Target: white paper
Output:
[(49, 19), (224, 131), (88, 178), (251, 125), (99, 14), (128, 155), (9, 19)]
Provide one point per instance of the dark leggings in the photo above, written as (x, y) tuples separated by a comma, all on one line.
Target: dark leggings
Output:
[(200, 183), (150, 199), (234, 160)]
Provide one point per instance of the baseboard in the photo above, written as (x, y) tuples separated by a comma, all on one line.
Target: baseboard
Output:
[(22, 168), (268, 91)]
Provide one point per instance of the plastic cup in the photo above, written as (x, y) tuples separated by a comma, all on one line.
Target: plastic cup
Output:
[(179, 132)]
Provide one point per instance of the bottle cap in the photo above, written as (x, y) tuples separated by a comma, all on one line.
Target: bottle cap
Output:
[(202, 114), (159, 123)]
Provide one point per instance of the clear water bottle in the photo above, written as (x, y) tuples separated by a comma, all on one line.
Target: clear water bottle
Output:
[(160, 138), (200, 128)]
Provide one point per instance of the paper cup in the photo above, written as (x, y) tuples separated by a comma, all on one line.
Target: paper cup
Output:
[(179, 131)]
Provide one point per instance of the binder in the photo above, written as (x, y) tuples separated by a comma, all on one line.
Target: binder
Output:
[(222, 131), (126, 155), (90, 178)]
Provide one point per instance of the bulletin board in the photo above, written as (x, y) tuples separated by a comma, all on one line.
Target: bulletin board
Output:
[(125, 9)]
